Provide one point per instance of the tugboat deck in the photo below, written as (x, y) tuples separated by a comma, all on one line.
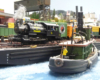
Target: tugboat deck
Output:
[(68, 43)]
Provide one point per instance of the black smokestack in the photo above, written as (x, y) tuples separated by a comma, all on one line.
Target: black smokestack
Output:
[(77, 13), (81, 9)]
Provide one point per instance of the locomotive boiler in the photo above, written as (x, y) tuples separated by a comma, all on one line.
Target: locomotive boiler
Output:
[(31, 32)]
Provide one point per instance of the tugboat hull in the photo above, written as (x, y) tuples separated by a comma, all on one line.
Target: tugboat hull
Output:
[(70, 65)]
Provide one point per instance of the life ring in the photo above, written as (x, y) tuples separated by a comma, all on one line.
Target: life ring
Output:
[(58, 62), (89, 63)]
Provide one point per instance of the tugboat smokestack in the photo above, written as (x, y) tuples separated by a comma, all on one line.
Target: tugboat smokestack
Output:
[(81, 9), (77, 13)]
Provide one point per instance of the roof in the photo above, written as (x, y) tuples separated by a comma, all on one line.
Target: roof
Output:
[(49, 24), (6, 14)]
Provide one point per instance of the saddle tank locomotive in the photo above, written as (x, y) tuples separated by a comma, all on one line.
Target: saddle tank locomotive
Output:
[(31, 32)]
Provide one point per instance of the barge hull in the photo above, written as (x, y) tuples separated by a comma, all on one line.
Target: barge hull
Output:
[(27, 55)]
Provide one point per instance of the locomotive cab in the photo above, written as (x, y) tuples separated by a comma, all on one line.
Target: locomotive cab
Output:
[(52, 31)]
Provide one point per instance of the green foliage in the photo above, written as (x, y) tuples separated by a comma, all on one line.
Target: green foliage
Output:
[(35, 15), (53, 14), (61, 15), (56, 20), (62, 20), (72, 13)]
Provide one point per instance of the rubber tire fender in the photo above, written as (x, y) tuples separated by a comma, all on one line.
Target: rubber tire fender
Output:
[(98, 53), (89, 63), (58, 62)]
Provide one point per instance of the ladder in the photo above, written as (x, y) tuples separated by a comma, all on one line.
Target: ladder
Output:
[(61, 54)]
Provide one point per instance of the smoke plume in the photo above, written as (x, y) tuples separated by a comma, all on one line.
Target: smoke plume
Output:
[(20, 12)]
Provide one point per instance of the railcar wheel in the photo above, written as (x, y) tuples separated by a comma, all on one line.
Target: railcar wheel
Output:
[(2, 39)]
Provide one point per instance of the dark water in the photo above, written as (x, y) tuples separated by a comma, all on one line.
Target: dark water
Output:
[(41, 71)]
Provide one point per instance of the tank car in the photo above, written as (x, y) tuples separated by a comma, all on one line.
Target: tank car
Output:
[(30, 31)]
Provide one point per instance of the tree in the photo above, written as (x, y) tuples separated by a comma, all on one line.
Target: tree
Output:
[(35, 15), (61, 16), (53, 14), (56, 20)]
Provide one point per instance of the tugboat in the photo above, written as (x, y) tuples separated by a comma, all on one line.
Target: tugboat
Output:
[(82, 53)]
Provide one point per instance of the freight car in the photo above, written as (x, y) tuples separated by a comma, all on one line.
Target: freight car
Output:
[(6, 27), (6, 32), (96, 31)]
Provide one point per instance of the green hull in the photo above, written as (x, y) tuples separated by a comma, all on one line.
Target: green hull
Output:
[(79, 52)]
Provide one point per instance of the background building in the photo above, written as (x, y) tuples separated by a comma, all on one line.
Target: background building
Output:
[(90, 19)]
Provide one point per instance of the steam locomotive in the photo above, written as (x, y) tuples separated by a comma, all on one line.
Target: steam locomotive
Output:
[(30, 31)]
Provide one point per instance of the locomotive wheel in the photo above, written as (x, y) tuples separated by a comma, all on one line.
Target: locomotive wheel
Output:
[(31, 38), (58, 41), (52, 41)]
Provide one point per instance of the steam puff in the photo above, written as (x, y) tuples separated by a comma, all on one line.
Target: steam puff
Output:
[(20, 12)]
